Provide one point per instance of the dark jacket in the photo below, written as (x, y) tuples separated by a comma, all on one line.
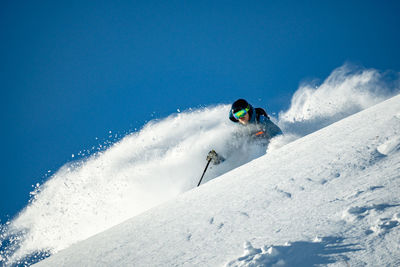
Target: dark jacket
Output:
[(260, 124)]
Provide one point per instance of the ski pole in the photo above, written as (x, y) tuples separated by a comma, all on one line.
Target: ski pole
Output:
[(208, 163)]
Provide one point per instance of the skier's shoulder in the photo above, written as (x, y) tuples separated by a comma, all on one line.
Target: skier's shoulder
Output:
[(261, 114)]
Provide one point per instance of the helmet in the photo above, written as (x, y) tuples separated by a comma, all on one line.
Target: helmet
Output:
[(239, 104)]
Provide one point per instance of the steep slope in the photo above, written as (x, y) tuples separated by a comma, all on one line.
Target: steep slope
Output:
[(111, 184), (331, 197)]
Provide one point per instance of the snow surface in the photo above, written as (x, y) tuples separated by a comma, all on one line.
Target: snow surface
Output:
[(329, 197)]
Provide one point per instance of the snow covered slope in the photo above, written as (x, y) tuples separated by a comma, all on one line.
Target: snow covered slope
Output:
[(331, 197), (165, 159)]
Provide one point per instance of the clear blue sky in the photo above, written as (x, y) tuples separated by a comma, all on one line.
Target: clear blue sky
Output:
[(72, 71)]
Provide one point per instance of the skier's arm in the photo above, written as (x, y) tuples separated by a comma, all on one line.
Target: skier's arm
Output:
[(268, 129)]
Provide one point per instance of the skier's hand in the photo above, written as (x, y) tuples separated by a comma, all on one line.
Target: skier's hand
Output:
[(211, 155), (214, 157)]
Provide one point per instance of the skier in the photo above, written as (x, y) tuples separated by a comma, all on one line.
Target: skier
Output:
[(259, 126), (262, 126)]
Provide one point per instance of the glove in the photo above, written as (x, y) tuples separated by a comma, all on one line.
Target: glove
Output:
[(214, 157)]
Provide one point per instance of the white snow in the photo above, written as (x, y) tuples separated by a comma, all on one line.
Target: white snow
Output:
[(390, 146), (331, 197), (346, 91), (327, 198)]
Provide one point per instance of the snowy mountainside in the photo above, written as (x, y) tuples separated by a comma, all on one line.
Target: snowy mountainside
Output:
[(165, 159), (330, 198)]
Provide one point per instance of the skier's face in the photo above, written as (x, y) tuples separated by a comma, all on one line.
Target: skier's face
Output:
[(245, 119)]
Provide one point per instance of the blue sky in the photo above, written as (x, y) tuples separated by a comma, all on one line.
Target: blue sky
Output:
[(72, 71)]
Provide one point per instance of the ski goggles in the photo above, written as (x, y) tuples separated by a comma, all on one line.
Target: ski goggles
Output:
[(241, 113)]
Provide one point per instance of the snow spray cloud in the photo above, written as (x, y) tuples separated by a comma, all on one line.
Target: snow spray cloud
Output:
[(347, 90), (144, 169)]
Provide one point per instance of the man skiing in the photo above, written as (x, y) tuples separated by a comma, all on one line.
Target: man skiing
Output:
[(259, 126), (262, 127)]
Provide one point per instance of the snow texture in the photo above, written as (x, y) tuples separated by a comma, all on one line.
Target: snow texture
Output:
[(330, 197)]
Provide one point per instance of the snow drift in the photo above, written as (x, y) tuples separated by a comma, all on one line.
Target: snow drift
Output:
[(165, 159)]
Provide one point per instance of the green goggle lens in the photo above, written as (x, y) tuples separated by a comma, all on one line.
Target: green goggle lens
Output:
[(241, 113)]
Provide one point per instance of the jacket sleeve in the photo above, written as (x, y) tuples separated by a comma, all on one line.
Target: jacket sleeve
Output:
[(268, 129), (271, 128)]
